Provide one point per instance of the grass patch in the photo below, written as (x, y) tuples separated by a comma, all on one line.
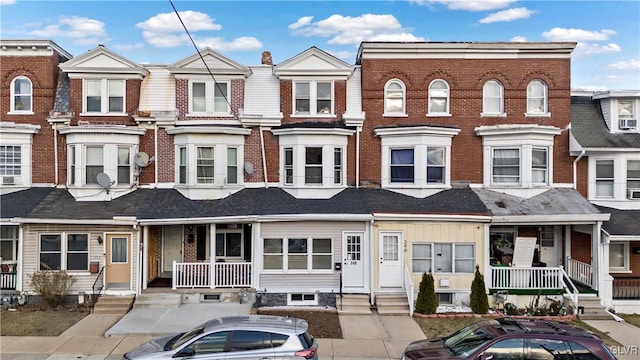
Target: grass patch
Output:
[(633, 319), (39, 320)]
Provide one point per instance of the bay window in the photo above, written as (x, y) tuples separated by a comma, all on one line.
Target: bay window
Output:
[(506, 166), (64, 252), (298, 254)]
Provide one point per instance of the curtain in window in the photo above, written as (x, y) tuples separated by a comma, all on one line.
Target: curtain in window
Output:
[(116, 96), (506, 165), (394, 97), (438, 97), (198, 97), (22, 95), (539, 165), (536, 97), (492, 97), (616, 255), (402, 165), (297, 254), (118, 250), (94, 164)]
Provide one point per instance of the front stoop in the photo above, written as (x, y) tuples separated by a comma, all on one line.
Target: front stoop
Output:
[(113, 304), (591, 309), (353, 304), (392, 304), (162, 300)]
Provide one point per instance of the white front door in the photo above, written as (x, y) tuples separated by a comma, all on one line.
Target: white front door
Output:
[(548, 249), (353, 260), (171, 247), (390, 270)]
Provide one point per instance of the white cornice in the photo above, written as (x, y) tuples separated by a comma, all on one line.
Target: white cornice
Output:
[(102, 129), (616, 94), (512, 129), (417, 130), (13, 128), (551, 219), (208, 130), (312, 131), (429, 217), (31, 48)]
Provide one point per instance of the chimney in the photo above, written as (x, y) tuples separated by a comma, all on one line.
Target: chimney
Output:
[(266, 58)]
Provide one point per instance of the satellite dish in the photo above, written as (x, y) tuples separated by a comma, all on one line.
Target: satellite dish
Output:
[(248, 168), (141, 159), (103, 180)]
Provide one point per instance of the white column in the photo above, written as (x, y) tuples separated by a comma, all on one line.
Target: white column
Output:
[(487, 256), (212, 254), (145, 256), (596, 254), (19, 255), (567, 244)]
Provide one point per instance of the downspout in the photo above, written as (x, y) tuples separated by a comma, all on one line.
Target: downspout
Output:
[(54, 127), (155, 153), (264, 159), (575, 168), (358, 156)]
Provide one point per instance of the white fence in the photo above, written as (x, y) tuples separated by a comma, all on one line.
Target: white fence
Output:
[(535, 278), (580, 271), (208, 275), (8, 281)]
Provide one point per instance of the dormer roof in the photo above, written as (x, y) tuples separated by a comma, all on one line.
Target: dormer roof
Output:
[(101, 60), (313, 62), (590, 130), (217, 63)]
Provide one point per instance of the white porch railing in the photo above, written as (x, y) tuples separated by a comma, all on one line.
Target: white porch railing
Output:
[(580, 271), (8, 281), (208, 275), (533, 278), (409, 288)]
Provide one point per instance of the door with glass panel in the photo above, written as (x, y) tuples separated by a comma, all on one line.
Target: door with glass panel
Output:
[(353, 260), (118, 260), (390, 260)]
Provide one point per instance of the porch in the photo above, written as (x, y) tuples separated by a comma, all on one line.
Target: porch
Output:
[(8, 280), (211, 275)]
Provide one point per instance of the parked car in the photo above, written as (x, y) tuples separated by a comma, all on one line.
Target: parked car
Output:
[(235, 337), (508, 338)]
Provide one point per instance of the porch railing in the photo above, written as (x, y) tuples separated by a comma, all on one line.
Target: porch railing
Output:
[(626, 288), (580, 271), (8, 281), (534, 278), (409, 288), (208, 275)]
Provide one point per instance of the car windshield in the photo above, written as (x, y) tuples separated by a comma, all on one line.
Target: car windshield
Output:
[(466, 340), (187, 336)]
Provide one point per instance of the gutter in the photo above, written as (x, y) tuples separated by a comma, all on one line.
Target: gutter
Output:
[(575, 168), (76, 222)]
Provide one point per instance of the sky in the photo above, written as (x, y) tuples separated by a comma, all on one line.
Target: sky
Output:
[(607, 55)]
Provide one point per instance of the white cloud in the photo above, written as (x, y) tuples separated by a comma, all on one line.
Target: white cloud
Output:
[(519, 39), (563, 34), (347, 30), (583, 49), (631, 64), (7, 2), (478, 5), (128, 47), (169, 22), (243, 43), (166, 40), (81, 30), (303, 21), (508, 15), (344, 54)]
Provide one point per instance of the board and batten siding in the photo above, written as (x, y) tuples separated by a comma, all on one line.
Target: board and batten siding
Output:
[(282, 282), (433, 232), (84, 279)]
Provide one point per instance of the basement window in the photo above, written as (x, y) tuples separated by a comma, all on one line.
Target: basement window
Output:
[(302, 299), (445, 298)]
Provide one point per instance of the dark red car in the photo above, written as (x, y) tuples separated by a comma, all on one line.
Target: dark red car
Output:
[(507, 338)]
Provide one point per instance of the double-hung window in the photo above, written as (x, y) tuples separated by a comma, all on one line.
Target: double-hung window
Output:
[(337, 166), (205, 165), (64, 252), (492, 98), (402, 169), (313, 98), (438, 97), (182, 165), (9, 243), (232, 165), (21, 95), (604, 178), (288, 166), (313, 165), (537, 98), (539, 166), (10, 160), (435, 165), (124, 165), (443, 258), (104, 96), (619, 256), (394, 98), (633, 178), (94, 163), (298, 254), (506, 166), (208, 97)]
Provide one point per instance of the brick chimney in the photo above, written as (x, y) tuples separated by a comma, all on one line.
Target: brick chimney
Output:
[(266, 58)]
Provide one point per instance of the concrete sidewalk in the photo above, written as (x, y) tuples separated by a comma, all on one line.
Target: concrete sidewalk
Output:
[(622, 332)]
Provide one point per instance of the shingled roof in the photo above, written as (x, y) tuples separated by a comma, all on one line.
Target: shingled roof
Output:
[(21, 203), (590, 130), (622, 222)]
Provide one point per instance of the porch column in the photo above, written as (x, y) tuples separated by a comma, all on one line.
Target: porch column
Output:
[(567, 245), (596, 255), (145, 256), (212, 255), (487, 255), (257, 249), (20, 256)]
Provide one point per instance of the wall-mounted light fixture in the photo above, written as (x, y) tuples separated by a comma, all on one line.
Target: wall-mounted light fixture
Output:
[(100, 240)]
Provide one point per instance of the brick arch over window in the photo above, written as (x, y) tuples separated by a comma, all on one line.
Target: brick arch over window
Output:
[(438, 74), (8, 78), (537, 75), (396, 74), (492, 75)]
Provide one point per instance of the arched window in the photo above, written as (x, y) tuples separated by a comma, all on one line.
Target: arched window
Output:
[(537, 98), (21, 95), (394, 96), (492, 98), (439, 97)]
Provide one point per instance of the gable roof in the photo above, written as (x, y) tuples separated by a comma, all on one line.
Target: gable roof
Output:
[(313, 62), (589, 129), (622, 222), (215, 61), (101, 60)]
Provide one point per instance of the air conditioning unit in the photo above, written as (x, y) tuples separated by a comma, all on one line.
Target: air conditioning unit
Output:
[(633, 194), (8, 180), (627, 124)]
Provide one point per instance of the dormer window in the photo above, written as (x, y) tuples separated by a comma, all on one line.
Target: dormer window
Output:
[(21, 96), (207, 98), (313, 98), (104, 96), (627, 119)]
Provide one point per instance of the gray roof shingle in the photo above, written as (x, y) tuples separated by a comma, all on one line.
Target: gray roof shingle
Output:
[(21, 203), (622, 222), (590, 130), (556, 201)]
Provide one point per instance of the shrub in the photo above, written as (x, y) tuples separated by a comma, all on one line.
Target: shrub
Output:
[(53, 286), (478, 300), (427, 302)]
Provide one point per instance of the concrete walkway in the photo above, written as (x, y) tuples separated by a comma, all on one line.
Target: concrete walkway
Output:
[(622, 332)]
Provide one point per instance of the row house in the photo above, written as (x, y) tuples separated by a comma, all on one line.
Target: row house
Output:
[(302, 180)]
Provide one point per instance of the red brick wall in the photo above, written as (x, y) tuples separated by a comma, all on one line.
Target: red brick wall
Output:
[(286, 103), (634, 262), (132, 103), (43, 73), (465, 78), (182, 99), (581, 247), (582, 176)]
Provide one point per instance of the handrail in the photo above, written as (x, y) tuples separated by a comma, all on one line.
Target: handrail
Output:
[(576, 292), (580, 271), (98, 285), (409, 288)]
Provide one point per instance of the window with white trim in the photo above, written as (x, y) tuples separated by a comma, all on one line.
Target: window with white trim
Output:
[(9, 243), (402, 166), (537, 98), (124, 165), (438, 98), (64, 251), (94, 160), (435, 165), (633, 175), (337, 166), (205, 164), (505, 167), (209, 98), (10, 160), (21, 95), (313, 97), (539, 166), (182, 165), (313, 165), (604, 178), (232, 165), (229, 244), (492, 98), (104, 96), (288, 166), (446, 258), (298, 254), (72, 165), (618, 256), (394, 98)]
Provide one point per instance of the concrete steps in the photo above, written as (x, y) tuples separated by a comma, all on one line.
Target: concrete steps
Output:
[(591, 309), (353, 304), (162, 300), (113, 304), (392, 304)]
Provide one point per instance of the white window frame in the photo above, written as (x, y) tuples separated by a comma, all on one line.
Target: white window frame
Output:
[(211, 88), (531, 110), (539, 168), (395, 94), (629, 178), (86, 163), (288, 166), (313, 99), (14, 95), (13, 164), (126, 165), (625, 257), (487, 98), (447, 98), (604, 180), (453, 259), (12, 236), (224, 233), (284, 241), (182, 161), (64, 250), (232, 166), (493, 166), (305, 299), (104, 97), (202, 179), (338, 168), (299, 165), (313, 166), (77, 163)]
